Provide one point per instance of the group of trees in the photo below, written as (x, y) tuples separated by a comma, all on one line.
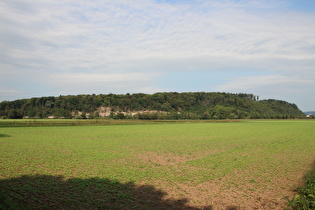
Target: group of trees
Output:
[(169, 105)]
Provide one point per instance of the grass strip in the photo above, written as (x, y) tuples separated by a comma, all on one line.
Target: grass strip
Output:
[(305, 199), (75, 122)]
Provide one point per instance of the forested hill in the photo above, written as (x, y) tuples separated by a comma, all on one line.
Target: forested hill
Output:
[(170, 105)]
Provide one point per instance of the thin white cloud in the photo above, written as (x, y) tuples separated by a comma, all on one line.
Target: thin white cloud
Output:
[(100, 83), (106, 31), (293, 89), (9, 92), (80, 78)]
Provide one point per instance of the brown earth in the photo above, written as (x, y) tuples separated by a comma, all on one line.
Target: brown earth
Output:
[(242, 189), (170, 158)]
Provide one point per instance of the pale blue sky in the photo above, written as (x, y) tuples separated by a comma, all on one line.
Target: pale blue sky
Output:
[(56, 47)]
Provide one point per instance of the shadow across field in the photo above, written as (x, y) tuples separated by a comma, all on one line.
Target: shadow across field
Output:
[(3, 135), (55, 192)]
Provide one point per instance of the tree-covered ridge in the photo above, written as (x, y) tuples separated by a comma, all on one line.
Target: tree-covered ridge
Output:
[(168, 105)]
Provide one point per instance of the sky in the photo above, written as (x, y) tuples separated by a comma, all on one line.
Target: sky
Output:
[(58, 47)]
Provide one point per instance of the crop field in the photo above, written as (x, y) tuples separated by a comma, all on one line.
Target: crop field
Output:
[(229, 165)]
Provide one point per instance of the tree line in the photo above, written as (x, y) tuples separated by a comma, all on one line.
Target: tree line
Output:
[(167, 105)]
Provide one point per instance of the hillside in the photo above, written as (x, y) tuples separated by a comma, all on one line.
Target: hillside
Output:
[(169, 105)]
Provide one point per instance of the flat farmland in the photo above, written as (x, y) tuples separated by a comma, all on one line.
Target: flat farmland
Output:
[(247, 164)]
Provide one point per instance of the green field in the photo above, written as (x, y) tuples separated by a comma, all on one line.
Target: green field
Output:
[(247, 164)]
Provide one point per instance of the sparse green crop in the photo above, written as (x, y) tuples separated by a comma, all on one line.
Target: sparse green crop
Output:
[(249, 158)]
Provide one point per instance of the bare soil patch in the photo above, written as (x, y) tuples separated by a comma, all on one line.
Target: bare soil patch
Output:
[(242, 189), (165, 159), (231, 192)]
